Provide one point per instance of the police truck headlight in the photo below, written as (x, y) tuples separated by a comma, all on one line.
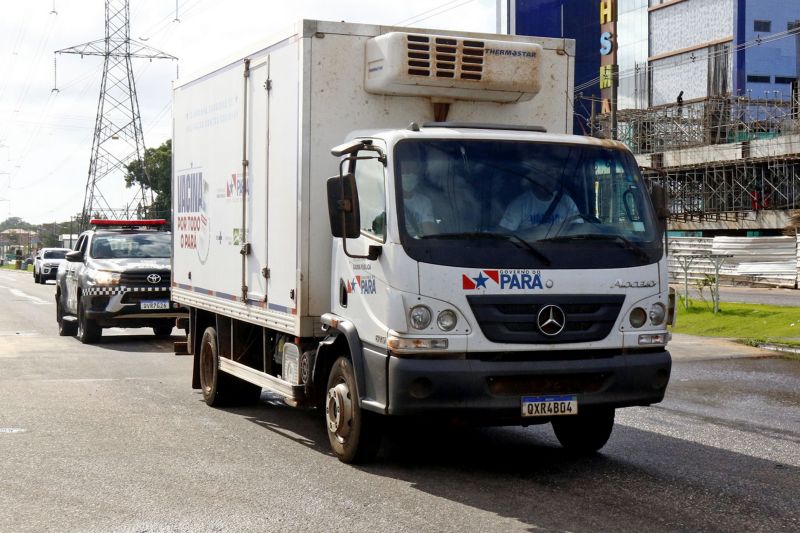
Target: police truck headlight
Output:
[(105, 277), (420, 317), (658, 312), (638, 317), (447, 320)]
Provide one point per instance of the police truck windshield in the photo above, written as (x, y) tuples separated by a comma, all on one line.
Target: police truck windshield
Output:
[(509, 203), (128, 246)]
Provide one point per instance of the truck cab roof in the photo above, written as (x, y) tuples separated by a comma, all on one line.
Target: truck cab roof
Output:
[(481, 131)]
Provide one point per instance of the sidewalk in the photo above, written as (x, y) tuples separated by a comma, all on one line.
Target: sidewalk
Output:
[(693, 348)]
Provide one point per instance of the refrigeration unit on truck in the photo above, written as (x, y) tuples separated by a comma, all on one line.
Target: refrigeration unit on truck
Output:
[(388, 222)]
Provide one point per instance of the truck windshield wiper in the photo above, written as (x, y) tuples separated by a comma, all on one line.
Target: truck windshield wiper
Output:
[(618, 239), (491, 235)]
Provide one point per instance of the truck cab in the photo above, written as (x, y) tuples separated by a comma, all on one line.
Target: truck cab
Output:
[(499, 275)]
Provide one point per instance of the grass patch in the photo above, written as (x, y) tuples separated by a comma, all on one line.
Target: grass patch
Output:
[(12, 266), (750, 322)]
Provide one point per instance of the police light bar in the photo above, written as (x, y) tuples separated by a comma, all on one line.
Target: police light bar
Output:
[(128, 223)]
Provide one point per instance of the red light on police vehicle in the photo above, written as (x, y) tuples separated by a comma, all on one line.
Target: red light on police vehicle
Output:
[(129, 223)]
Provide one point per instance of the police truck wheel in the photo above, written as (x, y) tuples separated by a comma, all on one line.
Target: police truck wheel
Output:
[(88, 330), (65, 329), (354, 434), (586, 432), (221, 389)]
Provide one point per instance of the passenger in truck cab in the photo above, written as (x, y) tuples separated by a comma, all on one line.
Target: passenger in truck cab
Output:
[(418, 208), (455, 206), (542, 201)]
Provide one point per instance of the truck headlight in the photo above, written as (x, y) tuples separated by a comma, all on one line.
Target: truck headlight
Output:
[(447, 320), (105, 277), (420, 316), (638, 317), (658, 313)]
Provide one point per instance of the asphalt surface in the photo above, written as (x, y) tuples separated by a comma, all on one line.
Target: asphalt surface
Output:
[(112, 438)]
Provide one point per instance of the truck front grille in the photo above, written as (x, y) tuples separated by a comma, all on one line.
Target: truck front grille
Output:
[(513, 318), (445, 57)]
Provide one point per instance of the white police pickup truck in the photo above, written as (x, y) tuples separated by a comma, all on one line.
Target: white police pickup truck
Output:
[(117, 276)]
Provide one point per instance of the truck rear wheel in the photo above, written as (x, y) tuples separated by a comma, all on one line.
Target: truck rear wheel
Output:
[(88, 330), (221, 389), (354, 434), (586, 432)]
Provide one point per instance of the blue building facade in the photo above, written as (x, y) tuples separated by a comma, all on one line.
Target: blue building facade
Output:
[(766, 70), (570, 19), (667, 47)]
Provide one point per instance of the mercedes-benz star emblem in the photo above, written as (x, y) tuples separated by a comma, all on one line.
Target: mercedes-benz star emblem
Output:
[(551, 320), (154, 278)]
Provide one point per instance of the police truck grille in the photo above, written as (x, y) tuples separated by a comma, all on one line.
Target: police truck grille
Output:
[(513, 318), (140, 278), (445, 57)]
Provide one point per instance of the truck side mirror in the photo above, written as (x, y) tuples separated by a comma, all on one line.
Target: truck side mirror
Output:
[(345, 217), (74, 257), (658, 196)]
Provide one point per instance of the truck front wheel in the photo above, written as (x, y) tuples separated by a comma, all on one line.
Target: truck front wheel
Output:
[(354, 434), (586, 432)]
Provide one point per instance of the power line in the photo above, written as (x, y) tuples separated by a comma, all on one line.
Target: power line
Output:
[(118, 116), (416, 19), (730, 51)]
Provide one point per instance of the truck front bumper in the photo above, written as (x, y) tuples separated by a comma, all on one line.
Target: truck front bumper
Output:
[(493, 390)]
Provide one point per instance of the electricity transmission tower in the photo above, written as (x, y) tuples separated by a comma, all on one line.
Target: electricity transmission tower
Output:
[(118, 138)]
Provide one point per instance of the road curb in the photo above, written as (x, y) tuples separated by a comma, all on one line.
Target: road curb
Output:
[(779, 348)]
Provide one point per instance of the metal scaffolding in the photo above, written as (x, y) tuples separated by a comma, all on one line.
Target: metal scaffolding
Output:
[(720, 158), (118, 137)]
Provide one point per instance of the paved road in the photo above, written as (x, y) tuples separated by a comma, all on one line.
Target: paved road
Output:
[(112, 438)]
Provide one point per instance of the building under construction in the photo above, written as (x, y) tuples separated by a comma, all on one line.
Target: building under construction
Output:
[(731, 164)]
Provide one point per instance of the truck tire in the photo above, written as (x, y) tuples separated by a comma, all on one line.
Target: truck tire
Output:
[(88, 330), (586, 432), (65, 329), (354, 434), (221, 389)]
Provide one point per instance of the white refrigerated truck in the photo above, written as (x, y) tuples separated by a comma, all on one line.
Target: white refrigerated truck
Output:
[(468, 258)]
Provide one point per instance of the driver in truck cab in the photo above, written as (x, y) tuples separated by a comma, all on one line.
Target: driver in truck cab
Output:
[(544, 201)]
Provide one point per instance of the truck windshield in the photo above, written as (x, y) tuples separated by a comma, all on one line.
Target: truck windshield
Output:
[(128, 246), (519, 204)]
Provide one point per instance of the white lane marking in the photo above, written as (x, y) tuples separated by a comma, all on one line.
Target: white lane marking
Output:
[(19, 294)]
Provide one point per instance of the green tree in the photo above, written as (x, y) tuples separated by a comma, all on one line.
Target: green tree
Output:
[(155, 174), (15, 223)]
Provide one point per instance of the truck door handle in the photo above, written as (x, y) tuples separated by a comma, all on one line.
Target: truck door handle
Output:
[(342, 293)]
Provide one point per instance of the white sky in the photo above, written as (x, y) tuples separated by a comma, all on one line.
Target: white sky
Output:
[(46, 137)]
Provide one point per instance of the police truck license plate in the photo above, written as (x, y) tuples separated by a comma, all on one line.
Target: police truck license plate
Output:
[(145, 305), (549, 405)]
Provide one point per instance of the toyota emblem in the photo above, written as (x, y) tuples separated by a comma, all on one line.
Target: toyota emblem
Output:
[(551, 320), (154, 278)]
